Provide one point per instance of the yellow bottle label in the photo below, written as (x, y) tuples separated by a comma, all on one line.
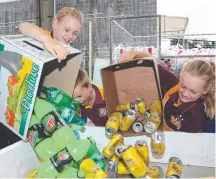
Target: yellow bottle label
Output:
[(174, 169)]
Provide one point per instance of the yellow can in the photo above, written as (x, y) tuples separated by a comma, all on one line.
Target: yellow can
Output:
[(156, 107), (153, 172), (140, 103), (122, 169), (125, 107), (113, 123), (109, 150), (152, 124), (115, 158), (142, 147), (91, 169), (32, 174), (128, 120), (158, 146), (174, 168), (134, 162)]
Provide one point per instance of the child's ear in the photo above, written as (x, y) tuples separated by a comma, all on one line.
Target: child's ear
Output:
[(54, 23), (89, 85)]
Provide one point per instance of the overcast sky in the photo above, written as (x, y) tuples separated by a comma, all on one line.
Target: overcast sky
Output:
[(201, 13)]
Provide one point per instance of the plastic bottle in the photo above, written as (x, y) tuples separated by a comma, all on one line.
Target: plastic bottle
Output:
[(94, 154), (70, 116), (63, 159), (72, 173), (56, 96), (42, 144), (53, 124)]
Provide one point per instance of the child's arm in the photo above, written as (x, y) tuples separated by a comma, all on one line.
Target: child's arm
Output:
[(40, 35), (132, 55)]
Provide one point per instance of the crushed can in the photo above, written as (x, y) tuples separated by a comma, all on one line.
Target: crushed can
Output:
[(158, 146), (122, 169), (152, 123), (91, 169), (113, 123), (109, 150), (125, 107), (138, 127), (154, 172), (142, 147), (156, 107), (112, 169), (140, 103), (174, 168), (134, 162), (128, 120)]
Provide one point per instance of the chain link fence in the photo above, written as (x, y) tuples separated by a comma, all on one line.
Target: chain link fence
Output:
[(13, 13)]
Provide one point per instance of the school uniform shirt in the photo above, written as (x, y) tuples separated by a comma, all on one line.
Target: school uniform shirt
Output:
[(187, 117), (96, 113)]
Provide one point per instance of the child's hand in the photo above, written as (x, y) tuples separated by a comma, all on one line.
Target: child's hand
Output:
[(57, 49)]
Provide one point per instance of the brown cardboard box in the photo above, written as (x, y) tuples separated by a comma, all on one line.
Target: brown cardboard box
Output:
[(128, 81)]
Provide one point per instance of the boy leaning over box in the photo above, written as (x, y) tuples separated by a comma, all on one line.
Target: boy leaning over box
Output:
[(91, 99)]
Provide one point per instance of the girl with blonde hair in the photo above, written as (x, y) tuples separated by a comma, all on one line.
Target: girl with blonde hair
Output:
[(65, 28)]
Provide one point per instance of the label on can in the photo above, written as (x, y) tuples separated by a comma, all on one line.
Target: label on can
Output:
[(51, 122), (142, 147), (128, 120), (174, 170), (113, 123), (62, 160), (36, 134)]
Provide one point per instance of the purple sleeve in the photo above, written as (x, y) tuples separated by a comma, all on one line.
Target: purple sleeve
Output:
[(167, 79)]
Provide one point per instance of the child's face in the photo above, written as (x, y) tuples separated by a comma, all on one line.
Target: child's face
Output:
[(66, 29), (83, 94), (190, 88)]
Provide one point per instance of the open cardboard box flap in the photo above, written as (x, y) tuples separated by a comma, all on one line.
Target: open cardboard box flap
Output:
[(125, 82), (27, 60)]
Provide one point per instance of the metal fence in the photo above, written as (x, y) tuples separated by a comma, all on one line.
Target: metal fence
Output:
[(136, 33), (13, 13)]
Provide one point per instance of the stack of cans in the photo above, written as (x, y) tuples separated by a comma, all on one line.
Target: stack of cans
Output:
[(136, 116)]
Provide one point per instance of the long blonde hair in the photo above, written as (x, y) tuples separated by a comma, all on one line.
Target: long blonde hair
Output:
[(206, 71), (70, 11)]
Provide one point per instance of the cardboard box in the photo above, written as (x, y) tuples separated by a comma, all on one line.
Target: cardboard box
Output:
[(24, 64), (128, 81)]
